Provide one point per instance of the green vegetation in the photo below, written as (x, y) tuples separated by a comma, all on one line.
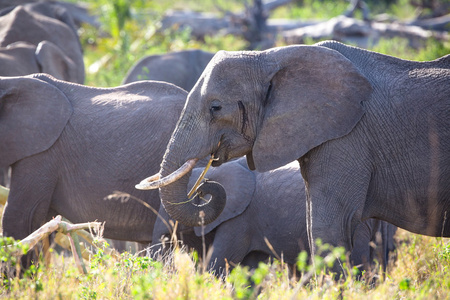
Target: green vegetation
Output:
[(130, 31), (420, 272), (311, 10)]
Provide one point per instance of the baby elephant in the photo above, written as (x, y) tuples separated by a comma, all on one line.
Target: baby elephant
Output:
[(265, 210)]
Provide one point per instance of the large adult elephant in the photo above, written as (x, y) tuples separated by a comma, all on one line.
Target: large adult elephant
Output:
[(69, 146), (371, 133), (38, 22), (182, 68), (260, 208)]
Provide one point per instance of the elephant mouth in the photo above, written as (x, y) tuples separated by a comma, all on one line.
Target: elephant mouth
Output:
[(221, 153), (219, 158)]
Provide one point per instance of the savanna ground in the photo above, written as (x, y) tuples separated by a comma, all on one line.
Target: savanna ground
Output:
[(129, 31)]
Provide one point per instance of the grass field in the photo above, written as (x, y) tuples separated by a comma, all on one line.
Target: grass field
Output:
[(130, 31)]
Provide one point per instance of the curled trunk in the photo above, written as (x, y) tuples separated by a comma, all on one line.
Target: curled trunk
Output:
[(185, 147), (196, 211)]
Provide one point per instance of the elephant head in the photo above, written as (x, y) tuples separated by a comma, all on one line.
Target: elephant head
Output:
[(17, 103), (272, 106), (40, 22), (23, 58), (239, 184)]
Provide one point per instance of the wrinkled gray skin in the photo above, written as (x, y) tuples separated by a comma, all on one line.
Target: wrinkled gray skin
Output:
[(181, 68), (268, 205), (39, 38), (70, 146), (35, 23), (371, 133), (23, 58)]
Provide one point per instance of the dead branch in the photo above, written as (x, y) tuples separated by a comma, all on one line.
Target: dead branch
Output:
[(361, 32), (441, 23), (40, 234), (57, 224)]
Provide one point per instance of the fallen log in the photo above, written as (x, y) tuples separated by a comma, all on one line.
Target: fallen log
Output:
[(361, 32), (57, 224), (66, 235), (441, 23)]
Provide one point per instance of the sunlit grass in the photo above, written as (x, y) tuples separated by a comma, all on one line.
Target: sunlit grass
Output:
[(399, 47), (311, 10), (420, 272)]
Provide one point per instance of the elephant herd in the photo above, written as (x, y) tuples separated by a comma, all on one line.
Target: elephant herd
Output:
[(325, 141)]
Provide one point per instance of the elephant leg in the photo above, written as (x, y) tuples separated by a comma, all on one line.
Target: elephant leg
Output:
[(336, 183), (28, 203), (231, 245), (253, 259), (361, 255)]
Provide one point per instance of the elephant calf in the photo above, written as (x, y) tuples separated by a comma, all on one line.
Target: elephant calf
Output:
[(272, 206)]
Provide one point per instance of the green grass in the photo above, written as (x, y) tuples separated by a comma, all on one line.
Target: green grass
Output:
[(420, 272), (131, 30), (311, 10)]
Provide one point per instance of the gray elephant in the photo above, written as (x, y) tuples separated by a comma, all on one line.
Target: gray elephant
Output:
[(269, 205), (181, 68), (371, 133), (23, 58), (64, 143), (35, 23)]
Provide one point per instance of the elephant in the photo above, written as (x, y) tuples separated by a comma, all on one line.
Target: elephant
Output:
[(35, 23), (371, 133), (181, 68), (79, 12), (23, 58), (64, 140), (269, 205)]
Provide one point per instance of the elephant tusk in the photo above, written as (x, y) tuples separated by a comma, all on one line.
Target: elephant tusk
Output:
[(202, 175), (153, 178), (155, 181), (200, 178)]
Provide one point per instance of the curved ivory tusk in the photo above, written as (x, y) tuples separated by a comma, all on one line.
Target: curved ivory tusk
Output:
[(155, 182), (200, 178), (153, 178)]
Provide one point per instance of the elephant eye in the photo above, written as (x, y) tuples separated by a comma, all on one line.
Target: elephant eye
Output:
[(215, 106)]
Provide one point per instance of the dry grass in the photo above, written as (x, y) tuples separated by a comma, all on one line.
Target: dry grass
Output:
[(420, 272)]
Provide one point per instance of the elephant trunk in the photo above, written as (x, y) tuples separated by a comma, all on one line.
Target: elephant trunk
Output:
[(194, 211), (173, 179)]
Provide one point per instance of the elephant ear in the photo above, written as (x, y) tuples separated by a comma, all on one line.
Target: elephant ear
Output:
[(53, 61), (33, 114), (316, 95), (239, 184)]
